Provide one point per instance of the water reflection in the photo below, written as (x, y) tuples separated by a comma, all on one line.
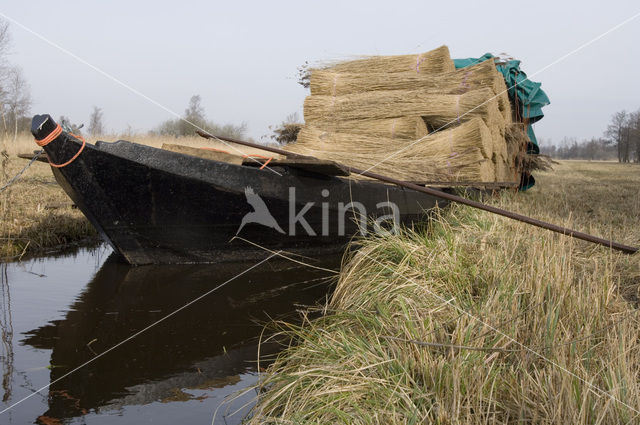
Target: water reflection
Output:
[(210, 345), (6, 328)]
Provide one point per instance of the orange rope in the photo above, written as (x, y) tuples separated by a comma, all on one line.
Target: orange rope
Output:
[(51, 137), (84, 142), (268, 159), (54, 135), (265, 164)]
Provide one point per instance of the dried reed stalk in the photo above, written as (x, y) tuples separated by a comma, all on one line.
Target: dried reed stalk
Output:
[(457, 154), (391, 128), (516, 141), (328, 82), (437, 109), (504, 170), (533, 162), (435, 61), (331, 83)]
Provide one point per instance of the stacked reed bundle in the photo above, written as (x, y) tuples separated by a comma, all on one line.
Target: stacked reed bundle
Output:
[(435, 61), (508, 158), (410, 127), (438, 110), (332, 83), (452, 125), (456, 154)]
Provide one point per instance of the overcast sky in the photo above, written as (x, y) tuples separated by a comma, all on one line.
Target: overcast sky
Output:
[(242, 57)]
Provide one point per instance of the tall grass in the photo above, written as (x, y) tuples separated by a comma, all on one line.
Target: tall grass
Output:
[(478, 319)]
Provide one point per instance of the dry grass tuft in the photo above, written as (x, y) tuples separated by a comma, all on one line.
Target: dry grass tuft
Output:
[(36, 216), (479, 319)]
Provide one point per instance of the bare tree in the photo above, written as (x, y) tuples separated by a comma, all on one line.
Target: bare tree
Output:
[(4, 48), (634, 127), (617, 132), (96, 127), (17, 100), (195, 115)]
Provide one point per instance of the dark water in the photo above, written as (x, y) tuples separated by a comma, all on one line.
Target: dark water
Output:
[(58, 313)]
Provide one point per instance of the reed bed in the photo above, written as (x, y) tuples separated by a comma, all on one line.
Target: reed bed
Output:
[(477, 319), (435, 61)]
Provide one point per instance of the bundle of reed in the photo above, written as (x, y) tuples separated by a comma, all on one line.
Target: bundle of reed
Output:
[(468, 167), (438, 110), (391, 128), (471, 134), (500, 89), (435, 61), (504, 171), (332, 83), (516, 142), (537, 162), (457, 154)]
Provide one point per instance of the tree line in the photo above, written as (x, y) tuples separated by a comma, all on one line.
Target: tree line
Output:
[(620, 141)]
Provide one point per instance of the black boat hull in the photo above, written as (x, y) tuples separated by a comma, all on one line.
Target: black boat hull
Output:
[(162, 207)]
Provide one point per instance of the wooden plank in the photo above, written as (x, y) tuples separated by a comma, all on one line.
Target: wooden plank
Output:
[(211, 154), (319, 166), (42, 157)]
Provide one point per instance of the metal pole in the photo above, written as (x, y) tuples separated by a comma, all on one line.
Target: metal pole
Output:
[(453, 198)]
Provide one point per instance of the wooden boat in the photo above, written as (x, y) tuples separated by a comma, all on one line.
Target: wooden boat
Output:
[(156, 206)]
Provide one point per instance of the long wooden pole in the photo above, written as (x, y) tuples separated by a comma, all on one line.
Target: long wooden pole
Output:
[(453, 198)]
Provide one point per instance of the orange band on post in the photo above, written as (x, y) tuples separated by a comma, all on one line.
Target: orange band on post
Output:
[(50, 138), (84, 142)]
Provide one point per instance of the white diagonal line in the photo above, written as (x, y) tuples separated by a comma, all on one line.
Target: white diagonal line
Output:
[(129, 338), (123, 84), (544, 68)]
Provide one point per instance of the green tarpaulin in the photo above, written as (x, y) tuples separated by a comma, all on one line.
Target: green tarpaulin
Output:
[(526, 94)]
